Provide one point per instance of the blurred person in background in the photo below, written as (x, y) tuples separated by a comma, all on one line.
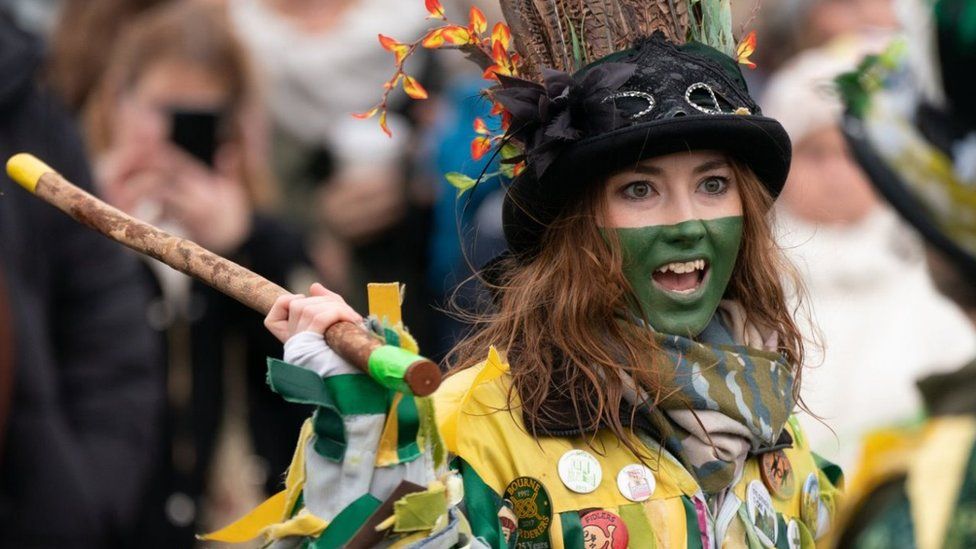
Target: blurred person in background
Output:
[(173, 128), (81, 390), (869, 291), (911, 123), (84, 35), (320, 63), (788, 27)]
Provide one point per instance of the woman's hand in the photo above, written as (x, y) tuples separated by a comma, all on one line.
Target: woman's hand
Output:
[(296, 313)]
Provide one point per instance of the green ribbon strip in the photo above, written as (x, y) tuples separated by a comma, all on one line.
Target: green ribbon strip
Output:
[(751, 539), (420, 510), (691, 524), (482, 505), (388, 365), (831, 470), (346, 523), (572, 530), (343, 395), (638, 527), (408, 424)]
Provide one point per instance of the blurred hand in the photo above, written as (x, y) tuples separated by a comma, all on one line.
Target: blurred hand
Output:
[(211, 205), (296, 313), (358, 205), (127, 176)]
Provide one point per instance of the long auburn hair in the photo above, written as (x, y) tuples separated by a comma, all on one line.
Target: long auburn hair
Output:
[(556, 316)]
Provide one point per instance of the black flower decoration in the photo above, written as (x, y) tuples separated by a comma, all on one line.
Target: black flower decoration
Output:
[(562, 110)]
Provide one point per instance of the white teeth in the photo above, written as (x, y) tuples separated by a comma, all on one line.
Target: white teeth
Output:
[(683, 267)]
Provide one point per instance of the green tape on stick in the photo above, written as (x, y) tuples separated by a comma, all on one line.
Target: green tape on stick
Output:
[(388, 366)]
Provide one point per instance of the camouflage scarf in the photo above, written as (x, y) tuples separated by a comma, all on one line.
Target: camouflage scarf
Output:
[(728, 400)]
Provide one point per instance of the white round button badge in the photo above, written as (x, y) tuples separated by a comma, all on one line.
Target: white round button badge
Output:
[(793, 539), (580, 471), (762, 515), (636, 482)]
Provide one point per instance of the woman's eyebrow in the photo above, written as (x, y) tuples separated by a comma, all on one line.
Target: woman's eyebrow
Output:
[(711, 165), (648, 169)]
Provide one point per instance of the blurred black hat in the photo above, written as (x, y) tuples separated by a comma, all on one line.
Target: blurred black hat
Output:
[(911, 123)]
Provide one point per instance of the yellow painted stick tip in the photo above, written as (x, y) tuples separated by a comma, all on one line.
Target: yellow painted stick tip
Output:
[(26, 169)]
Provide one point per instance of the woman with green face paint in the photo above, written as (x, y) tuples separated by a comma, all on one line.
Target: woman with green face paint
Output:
[(642, 364), (679, 222)]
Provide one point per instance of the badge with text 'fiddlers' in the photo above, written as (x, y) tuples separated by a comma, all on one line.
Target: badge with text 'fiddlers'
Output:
[(580, 471), (604, 530), (636, 482), (762, 515), (777, 474), (533, 509)]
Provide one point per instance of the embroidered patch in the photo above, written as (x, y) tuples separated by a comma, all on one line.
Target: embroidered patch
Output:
[(533, 509)]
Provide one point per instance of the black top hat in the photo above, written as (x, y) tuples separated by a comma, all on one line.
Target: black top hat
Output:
[(654, 99)]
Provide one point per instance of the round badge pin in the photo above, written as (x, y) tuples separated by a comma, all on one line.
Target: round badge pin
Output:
[(580, 471), (762, 515), (777, 474), (793, 539), (810, 502), (533, 511), (604, 530), (636, 482)]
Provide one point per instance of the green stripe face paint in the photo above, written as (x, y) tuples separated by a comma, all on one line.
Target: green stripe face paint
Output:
[(676, 303)]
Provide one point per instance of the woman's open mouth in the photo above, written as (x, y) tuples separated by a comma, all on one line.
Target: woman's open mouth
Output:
[(681, 277)]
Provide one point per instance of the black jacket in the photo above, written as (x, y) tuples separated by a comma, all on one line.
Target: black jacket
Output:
[(87, 387)]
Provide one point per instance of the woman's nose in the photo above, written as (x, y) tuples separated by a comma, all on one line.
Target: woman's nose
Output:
[(685, 234)]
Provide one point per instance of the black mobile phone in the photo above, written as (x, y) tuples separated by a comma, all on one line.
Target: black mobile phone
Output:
[(195, 131)]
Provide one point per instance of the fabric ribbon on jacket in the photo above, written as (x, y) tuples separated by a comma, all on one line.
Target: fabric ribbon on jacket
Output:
[(733, 393)]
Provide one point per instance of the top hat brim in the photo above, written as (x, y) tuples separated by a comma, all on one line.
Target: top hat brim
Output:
[(531, 203)]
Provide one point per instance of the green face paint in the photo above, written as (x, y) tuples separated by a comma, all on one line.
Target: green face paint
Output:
[(647, 249)]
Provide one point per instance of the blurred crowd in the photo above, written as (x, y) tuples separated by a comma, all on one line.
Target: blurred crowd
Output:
[(133, 403)]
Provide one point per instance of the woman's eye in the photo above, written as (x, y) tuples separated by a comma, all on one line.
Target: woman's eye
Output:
[(714, 185), (638, 190)]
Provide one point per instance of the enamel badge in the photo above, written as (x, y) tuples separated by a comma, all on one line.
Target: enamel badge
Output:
[(604, 530), (777, 474), (580, 471), (636, 482), (533, 512), (810, 502)]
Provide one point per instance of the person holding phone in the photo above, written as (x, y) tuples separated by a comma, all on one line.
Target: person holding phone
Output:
[(176, 142)]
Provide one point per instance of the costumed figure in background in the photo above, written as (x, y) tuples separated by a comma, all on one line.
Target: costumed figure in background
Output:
[(861, 266), (911, 124), (642, 363)]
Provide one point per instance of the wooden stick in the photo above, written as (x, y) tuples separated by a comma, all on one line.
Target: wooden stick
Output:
[(350, 341)]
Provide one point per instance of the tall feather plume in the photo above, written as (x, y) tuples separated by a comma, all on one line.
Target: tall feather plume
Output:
[(566, 34)]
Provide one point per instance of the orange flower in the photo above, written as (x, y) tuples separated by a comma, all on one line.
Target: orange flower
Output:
[(435, 9), (368, 114), (399, 50), (413, 88), (480, 146), (478, 23), (746, 48), (497, 108), (501, 34)]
